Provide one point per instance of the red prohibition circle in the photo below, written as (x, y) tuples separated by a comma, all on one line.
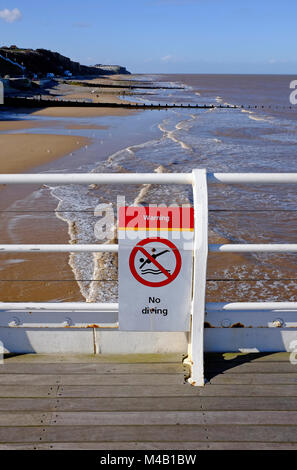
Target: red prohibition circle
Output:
[(139, 247)]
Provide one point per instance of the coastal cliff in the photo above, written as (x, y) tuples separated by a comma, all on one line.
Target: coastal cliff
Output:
[(17, 62)]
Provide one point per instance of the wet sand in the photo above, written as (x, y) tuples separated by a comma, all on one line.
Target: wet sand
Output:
[(20, 152), (40, 277), (84, 126), (83, 112), (34, 277), (99, 97), (15, 125)]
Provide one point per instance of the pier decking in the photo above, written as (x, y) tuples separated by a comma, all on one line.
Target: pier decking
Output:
[(144, 402)]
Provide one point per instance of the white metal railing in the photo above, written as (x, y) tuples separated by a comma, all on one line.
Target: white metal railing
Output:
[(199, 179), (148, 178), (93, 248), (59, 248)]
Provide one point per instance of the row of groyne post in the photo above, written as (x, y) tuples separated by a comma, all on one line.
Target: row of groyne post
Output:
[(29, 102)]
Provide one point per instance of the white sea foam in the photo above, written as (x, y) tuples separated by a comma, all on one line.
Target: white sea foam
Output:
[(260, 118), (256, 117), (174, 136)]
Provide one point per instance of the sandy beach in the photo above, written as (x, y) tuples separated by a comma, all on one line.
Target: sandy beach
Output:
[(24, 151), (42, 277), (82, 112), (14, 125)]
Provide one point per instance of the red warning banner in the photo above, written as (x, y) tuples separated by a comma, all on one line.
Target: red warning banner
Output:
[(156, 218)]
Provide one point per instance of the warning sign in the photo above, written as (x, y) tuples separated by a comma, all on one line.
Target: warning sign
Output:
[(155, 262), (155, 268)]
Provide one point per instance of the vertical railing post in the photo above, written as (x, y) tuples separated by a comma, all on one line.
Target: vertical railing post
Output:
[(196, 350)]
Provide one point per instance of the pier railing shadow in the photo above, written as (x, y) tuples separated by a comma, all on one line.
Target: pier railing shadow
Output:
[(219, 363)]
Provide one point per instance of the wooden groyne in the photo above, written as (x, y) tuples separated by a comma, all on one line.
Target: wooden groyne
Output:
[(28, 102), (128, 86), (36, 102)]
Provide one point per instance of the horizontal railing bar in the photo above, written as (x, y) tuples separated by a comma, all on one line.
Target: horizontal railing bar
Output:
[(58, 280), (146, 178), (252, 178), (44, 324), (213, 248), (259, 319), (113, 307), (97, 178), (60, 306), (263, 279), (252, 306), (51, 248), (62, 318), (244, 211), (251, 247), (279, 279), (48, 212)]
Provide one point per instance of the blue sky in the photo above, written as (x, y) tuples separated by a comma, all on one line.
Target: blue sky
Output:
[(160, 36)]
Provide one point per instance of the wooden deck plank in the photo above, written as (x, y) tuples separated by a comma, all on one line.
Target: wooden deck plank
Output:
[(91, 379), (28, 404), (29, 379), (249, 433), (94, 358), (248, 403), (175, 446), (31, 418), (21, 434), (178, 403), (107, 446), (149, 446), (198, 403), (144, 379), (105, 369), (93, 391), (142, 358), (102, 433), (248, 357), (27, 391), (185, 390), (169, 418), (248, 367), (69, 368), (111, 418), (161, 433), (256, 379)]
